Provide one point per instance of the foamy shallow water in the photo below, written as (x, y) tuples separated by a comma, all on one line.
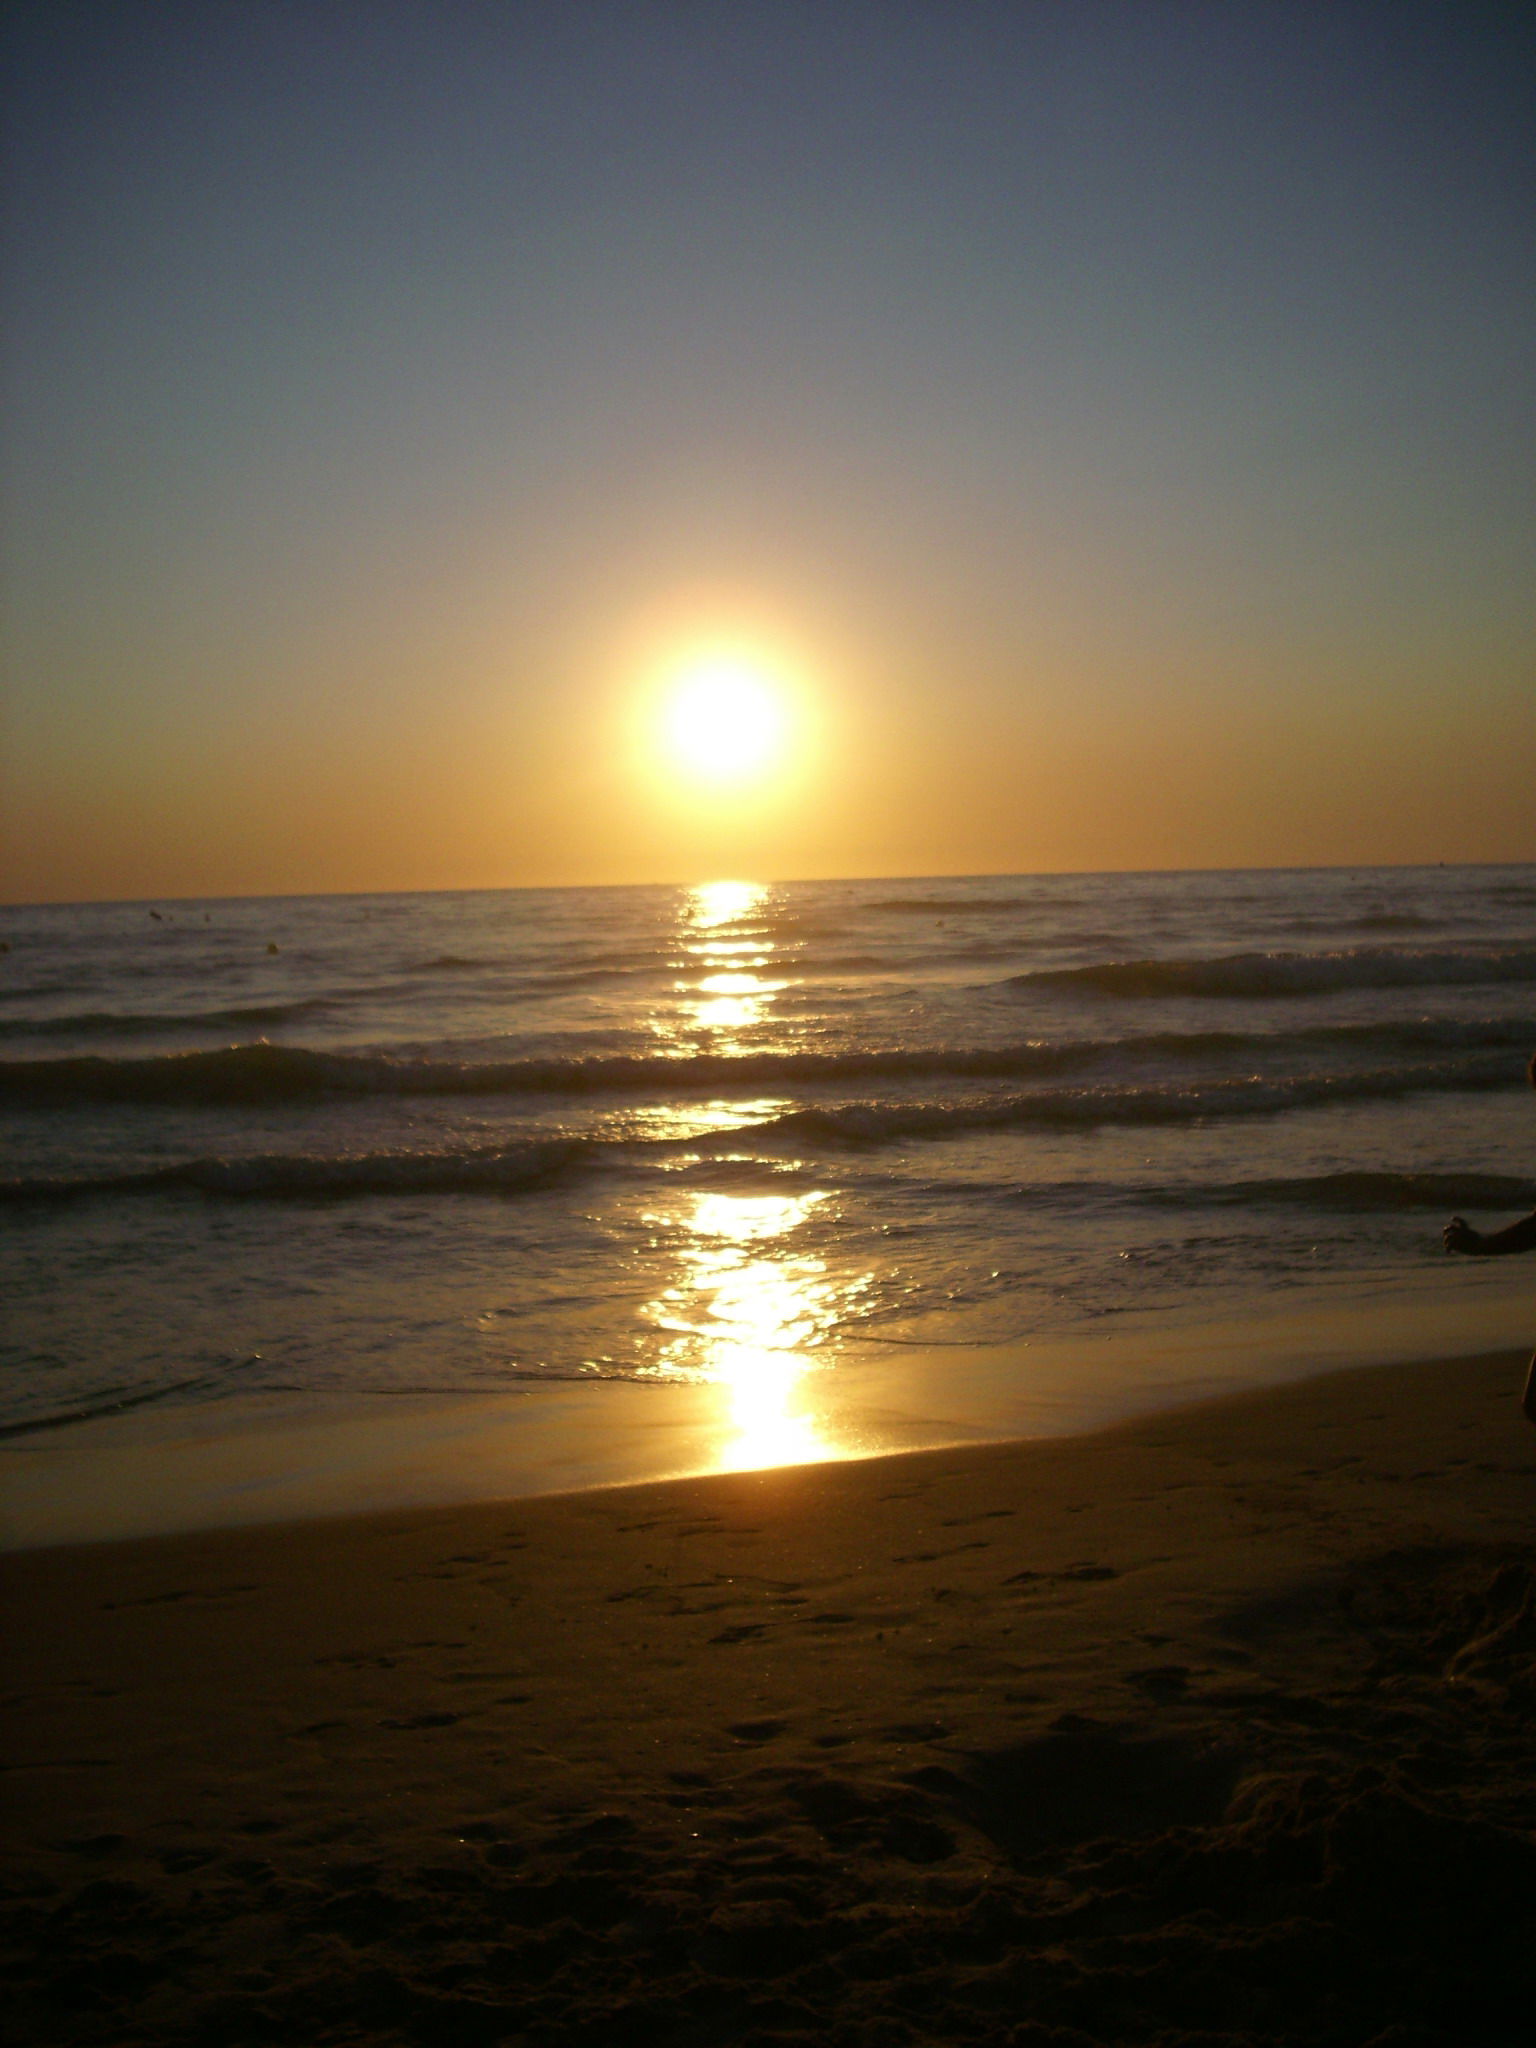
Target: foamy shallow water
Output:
[(269, 1457), (733, 1136)]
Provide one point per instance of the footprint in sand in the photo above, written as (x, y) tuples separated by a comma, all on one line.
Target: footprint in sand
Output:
[(1161, 1681), (756, 1731)]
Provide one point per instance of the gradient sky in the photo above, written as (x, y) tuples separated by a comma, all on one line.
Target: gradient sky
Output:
[(1121, 419)]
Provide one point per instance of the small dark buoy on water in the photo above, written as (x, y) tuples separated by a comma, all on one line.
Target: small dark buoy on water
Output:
[(157, 917), (271, 945)]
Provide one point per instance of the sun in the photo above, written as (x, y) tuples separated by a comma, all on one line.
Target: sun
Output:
[(725, 719)]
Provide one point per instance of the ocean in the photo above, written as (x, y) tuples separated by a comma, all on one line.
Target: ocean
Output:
[(745, 1133)]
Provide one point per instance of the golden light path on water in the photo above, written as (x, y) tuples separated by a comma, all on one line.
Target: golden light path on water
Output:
[(729, 995), (744, 1314), (746, 1308)]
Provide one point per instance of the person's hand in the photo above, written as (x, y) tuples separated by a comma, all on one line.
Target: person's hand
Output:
[(1461, 1237)]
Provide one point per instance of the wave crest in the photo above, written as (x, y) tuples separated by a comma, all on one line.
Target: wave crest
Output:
[(1249, 976), (533, 1165), (259, 1072)]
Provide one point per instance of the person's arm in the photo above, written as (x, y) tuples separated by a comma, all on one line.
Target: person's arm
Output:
[(1515, 1237)]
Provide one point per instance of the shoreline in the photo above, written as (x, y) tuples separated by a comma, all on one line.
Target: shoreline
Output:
[(282, 1457), (1211, 1724)]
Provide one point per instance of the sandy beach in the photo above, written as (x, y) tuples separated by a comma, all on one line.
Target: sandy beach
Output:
[(1212, 1727)]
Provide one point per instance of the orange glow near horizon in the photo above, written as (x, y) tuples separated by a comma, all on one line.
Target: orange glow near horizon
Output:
[(494, 792)]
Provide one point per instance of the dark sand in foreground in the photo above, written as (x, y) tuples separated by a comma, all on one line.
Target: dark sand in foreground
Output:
[(1213, 1728)]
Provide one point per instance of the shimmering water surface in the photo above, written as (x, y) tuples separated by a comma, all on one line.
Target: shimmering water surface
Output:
[(732, 1133)]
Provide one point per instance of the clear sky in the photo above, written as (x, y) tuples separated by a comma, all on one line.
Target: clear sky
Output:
[(1106, 428)]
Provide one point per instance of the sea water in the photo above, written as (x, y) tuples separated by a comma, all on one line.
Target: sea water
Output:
[(743, 1132)]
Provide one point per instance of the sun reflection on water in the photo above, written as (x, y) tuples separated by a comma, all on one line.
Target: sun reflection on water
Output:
[(671, 1122), (728, 995), (712, 904), (749, 1302), (744, 1315)]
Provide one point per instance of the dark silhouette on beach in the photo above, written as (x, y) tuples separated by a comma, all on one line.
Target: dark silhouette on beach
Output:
[(1514, 1237)]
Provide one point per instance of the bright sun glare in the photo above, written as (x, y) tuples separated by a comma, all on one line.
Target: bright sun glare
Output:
[(725, 718)]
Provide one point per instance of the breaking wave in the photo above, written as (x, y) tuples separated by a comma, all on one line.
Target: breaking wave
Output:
[(532, 1165), (498, 1169), (1266, 975), (144, 1024), (260, 1073), (1374, 1191)]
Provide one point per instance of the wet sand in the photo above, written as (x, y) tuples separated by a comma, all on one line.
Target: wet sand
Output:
[(1213, 1728)]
